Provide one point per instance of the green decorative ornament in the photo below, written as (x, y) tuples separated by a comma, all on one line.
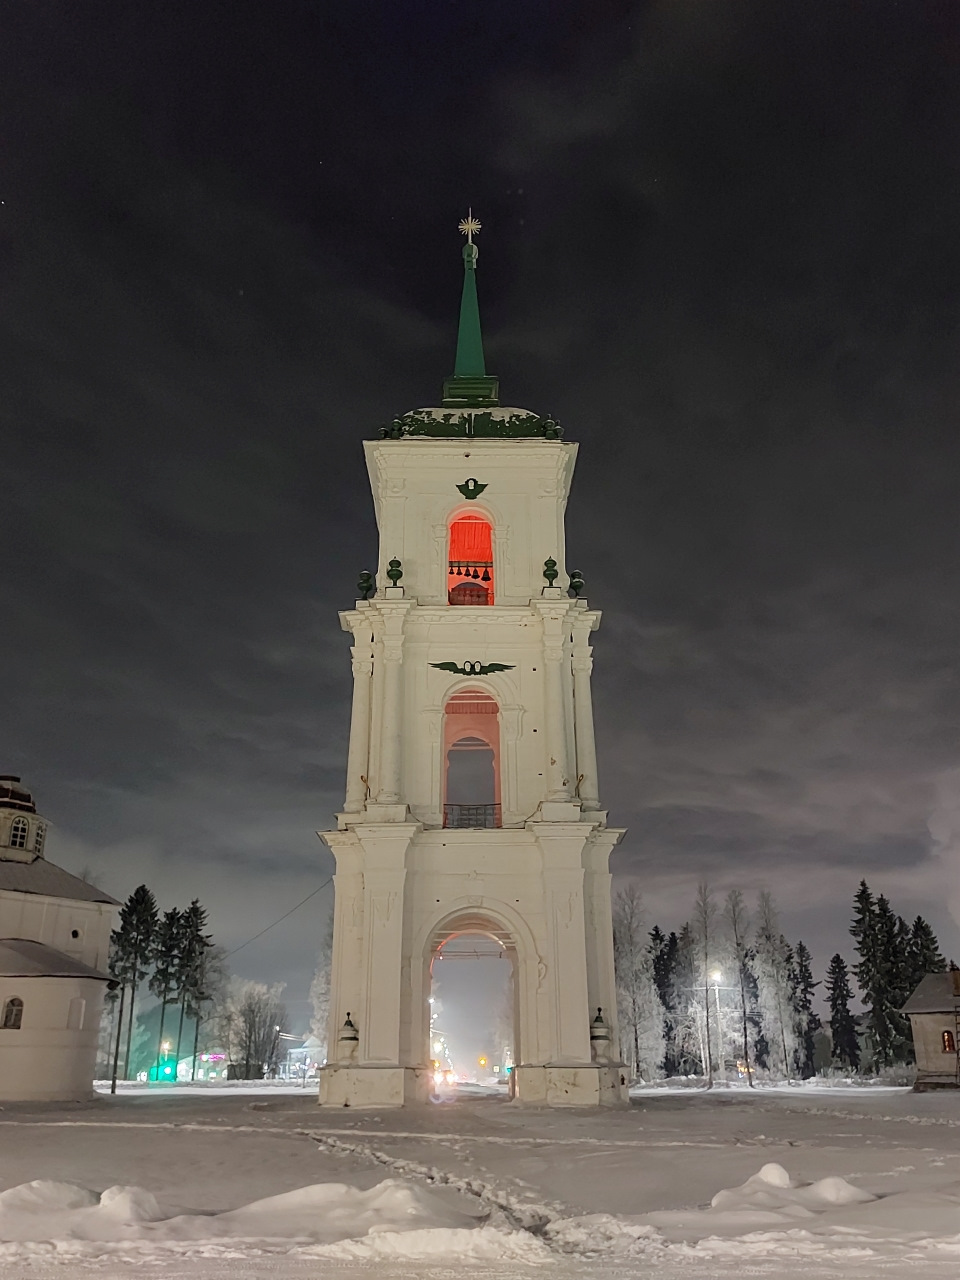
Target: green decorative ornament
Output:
[(471, 668), (365, 585), (550, 571), (471, 489), (576, 582), (394, 572)]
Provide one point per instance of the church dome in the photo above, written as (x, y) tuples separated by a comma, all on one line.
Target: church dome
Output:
[(14, 795)]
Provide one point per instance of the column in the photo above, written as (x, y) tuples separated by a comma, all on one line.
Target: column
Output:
[(583, 722), (392, 721), (358, 755), (558, 770)]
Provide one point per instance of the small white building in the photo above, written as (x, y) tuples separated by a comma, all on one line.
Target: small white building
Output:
[(54, 943), (934, 1012)]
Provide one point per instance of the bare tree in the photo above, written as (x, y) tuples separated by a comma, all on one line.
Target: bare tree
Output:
[(704, 930), (251, 1026), (320, 986), (771, 966), (638, 1001), (737, 919)]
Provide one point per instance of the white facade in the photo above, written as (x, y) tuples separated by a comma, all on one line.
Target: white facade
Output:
[(532, 872), (54, 943)]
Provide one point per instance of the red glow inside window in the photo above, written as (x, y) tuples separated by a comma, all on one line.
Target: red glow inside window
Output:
[(470, 561)]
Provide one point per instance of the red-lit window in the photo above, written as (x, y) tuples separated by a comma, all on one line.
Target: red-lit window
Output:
[(470, 561), (948, 1042)]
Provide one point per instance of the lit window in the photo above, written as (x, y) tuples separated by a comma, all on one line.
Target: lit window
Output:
[(18, 834), (948, 1042), (12, 1014), (38, 839), (470, 561)]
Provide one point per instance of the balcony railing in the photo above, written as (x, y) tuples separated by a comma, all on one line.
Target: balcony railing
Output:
[(471, 815)]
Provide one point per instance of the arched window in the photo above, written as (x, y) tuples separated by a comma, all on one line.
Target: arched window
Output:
[(38, 839), (948, 1042), (471, 752), (18, 834), (75, 1013), (12, 1014), (470, 561)]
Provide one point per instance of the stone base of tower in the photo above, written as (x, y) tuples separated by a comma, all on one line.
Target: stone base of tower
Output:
[(350, 1086), (589, 1086)]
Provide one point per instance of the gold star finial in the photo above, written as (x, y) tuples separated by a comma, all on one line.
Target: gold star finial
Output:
[(469, 226)]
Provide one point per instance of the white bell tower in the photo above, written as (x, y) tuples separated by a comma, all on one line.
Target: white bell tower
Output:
[(472, 801)]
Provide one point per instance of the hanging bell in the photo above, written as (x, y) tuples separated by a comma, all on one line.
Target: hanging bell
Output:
[(476, 573), (485, 576)]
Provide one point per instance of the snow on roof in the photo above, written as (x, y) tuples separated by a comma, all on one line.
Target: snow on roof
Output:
[(24, 958), (936, 993), (41, 876)]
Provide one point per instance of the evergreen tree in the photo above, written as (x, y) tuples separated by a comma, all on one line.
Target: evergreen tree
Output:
[(843, 1026), (807, 1021), (924, 952), (664, 952), (883, 975), (208, 986), (130, 960), (193, 945), (166, 965)]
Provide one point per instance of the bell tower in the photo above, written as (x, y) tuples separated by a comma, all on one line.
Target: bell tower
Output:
[(472, 800)]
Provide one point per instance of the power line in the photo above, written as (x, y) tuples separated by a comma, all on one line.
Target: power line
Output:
[(280, 919)]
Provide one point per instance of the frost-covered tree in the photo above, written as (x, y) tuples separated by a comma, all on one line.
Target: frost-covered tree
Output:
[(250, 1027), (704, 924), (771, 963), (638, 1001), (736, 919), (320, 986), (843, 1027)]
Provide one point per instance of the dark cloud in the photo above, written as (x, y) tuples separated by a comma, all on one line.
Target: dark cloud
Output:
[(719, 244)]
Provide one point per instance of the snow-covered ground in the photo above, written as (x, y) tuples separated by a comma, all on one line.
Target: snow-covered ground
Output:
[(259, 1182)]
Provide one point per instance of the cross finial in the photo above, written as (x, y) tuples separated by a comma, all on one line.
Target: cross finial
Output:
[(469, 225)]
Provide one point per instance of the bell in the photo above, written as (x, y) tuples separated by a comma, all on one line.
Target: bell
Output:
[(485, 576), (476, 573)]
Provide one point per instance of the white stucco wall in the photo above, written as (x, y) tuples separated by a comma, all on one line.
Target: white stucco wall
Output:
[(54, 921), (49, 1058)]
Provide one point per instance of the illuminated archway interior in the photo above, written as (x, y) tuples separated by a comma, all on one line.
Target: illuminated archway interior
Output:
[(471, 760)]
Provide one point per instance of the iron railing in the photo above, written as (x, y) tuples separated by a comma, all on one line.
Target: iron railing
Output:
[(471, 815)]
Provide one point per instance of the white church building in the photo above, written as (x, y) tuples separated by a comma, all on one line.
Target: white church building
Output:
[(472, 802), (54, 942)]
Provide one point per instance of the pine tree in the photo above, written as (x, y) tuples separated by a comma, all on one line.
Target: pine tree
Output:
[(924, 951), (883, 972), (130, 960), (193, 945), (664, 952), (807, 1022), (843, 1025), (166, 966), (208, 985)]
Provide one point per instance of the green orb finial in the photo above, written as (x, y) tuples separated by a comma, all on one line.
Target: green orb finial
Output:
[(550, 571), (394, 572)]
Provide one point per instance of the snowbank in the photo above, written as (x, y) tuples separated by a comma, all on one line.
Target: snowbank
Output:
[(332, 1220)]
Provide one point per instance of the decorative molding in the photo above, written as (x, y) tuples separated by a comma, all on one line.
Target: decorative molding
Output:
[(472, 668)]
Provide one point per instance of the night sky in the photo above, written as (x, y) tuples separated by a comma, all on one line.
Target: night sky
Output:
[(721, 244)]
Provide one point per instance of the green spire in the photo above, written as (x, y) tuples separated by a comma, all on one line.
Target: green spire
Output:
[(470, 387)]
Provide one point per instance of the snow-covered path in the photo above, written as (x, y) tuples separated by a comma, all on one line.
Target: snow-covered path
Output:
[(605, 1196)]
